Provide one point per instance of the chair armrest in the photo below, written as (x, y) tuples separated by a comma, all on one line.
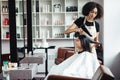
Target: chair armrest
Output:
[(61, 77), (107, 74), (68, 54), (59, 60)]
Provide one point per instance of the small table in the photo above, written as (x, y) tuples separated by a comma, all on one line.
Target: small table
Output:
[(46, 61), (32, 59), (22, 73)]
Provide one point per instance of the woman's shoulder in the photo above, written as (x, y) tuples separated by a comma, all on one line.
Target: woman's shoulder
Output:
[(81, 18), (79, 21)]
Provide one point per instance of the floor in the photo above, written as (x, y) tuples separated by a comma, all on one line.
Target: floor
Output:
[(39, 76), (42, 78)]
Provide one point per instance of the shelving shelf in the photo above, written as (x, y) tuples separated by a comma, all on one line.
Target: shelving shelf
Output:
[(50, 18)]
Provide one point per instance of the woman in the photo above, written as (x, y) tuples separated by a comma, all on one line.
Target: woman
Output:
[(82, 64), (91, 12)]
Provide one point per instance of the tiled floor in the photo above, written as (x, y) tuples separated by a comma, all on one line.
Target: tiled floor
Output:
[(42, 78), (39, 76)]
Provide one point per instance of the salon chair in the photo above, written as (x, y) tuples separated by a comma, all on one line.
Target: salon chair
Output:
[(102, 73), (69, 53), (62, 54)]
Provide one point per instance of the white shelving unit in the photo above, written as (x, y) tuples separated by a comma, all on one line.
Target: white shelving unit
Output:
[(4, 19), (50, 18), (19, 19)]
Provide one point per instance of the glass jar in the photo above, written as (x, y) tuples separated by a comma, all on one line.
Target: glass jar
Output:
[(57, 7)]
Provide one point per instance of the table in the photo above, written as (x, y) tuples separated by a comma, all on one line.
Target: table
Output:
[(32, 59), (46, 61), (23, 73)]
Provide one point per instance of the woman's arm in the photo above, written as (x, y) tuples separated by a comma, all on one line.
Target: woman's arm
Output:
[(73, 28)]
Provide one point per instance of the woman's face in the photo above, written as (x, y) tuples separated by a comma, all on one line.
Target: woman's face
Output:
[(93, 13), (78, 43)]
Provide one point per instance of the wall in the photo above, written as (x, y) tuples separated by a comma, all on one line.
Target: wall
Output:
[(5, 47), (111, 36)]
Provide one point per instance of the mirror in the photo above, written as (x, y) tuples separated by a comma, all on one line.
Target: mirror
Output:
[(21, 27), (0, 44)]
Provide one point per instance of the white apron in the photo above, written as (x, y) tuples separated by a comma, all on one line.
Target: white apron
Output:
[(92, 31)]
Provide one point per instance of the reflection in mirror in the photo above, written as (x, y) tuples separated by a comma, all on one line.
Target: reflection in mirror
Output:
[(0, 44), (21, 28)]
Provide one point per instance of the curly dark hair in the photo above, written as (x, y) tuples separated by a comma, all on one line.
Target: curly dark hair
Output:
[(90, 6)]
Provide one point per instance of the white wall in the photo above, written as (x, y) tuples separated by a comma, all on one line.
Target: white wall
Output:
[(111, 36), (5, 47)]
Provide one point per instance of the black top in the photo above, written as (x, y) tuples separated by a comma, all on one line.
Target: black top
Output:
[(80, 22)]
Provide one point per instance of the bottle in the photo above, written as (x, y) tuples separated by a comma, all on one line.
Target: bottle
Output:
[(3, 9), (37, 34), (7, 35), (48, 8), (6, 71), (5, 64), (6, 9), (48, 35), (6, 21), (37, 6), (16, 10)]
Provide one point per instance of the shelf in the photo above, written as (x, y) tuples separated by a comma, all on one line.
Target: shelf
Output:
[(50, 18)]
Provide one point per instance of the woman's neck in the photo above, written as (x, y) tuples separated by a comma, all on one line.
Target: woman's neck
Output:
[(89, 19), (80, 50)]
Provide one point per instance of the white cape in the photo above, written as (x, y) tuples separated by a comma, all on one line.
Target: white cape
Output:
[(81, 65)]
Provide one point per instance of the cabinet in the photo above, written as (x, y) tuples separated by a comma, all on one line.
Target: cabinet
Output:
[(21, 20), (4, 19), (50, 18), (5, 34)]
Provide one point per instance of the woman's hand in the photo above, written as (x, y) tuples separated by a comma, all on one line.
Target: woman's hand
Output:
[(80, 30)]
